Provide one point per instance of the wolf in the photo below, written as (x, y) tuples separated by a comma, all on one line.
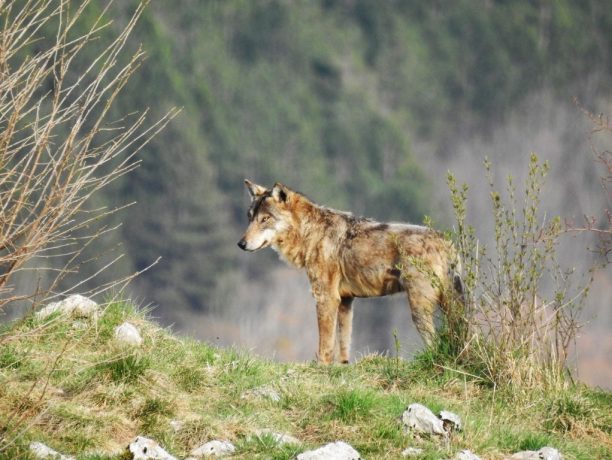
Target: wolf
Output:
[(346, 256)]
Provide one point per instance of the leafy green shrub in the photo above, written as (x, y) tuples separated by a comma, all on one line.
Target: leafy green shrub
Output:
[(520, 310)]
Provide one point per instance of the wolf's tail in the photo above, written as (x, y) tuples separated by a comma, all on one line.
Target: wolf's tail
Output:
[(455, 276)]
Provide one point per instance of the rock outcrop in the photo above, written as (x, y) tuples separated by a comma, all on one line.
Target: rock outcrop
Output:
[(419, 419), (333, 451), (128, 334), (215, 448), (42, 451), (146, 449), (75, 306)]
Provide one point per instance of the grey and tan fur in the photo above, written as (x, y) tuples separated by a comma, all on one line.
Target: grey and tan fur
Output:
[(347, 257)]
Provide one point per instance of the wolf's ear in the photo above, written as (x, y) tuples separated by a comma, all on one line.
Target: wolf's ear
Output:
[(254, 189), (280, 193)]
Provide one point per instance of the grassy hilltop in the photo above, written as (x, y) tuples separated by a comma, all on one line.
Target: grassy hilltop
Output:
[(69, 384)]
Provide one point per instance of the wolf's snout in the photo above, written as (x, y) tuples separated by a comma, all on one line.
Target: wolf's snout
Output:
[(242, 244)]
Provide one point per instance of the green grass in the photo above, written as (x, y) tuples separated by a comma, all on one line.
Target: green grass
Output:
[(78, 391)]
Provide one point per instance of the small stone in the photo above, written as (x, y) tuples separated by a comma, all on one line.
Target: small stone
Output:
[(550, 453), (466, 455), (545, 453), (450, 421), (420, 419), (333, 451), (176, 425), (412, 452), (41, 451), (128, 333), (146, 449), (214, 448), (75, 306), (525, 455), (279, 438)]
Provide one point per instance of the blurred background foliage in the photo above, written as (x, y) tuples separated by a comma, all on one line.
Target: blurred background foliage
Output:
[(360, 104)]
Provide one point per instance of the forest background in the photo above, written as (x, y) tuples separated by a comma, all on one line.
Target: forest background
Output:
[(362, 105)]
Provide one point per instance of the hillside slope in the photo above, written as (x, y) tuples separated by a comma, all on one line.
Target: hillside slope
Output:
[(70, 384)]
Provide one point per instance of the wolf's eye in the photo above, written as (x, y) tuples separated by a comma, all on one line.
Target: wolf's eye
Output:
[(265, 219)]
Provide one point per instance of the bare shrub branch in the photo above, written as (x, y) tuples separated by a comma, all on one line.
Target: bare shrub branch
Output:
[(600, 226), (58, 147), (57, 144)]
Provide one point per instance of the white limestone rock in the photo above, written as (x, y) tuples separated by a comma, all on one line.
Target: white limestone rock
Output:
[(128, 334), (338, 450), (215, 448), (450, 421), (466, 455), (177, 425), (545, 453), (419, 419), (524, 455), (412, 452), (146, 449), (74, 306), (41, 451), (550, 453)]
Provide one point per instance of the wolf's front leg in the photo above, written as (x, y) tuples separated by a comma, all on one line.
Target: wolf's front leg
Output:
[(327, 314), (345, 328)]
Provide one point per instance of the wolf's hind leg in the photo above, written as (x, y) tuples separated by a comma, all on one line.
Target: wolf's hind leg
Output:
[(422, 297), (345, 328)]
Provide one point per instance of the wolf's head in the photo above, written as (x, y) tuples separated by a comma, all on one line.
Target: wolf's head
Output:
[(269, 216)]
